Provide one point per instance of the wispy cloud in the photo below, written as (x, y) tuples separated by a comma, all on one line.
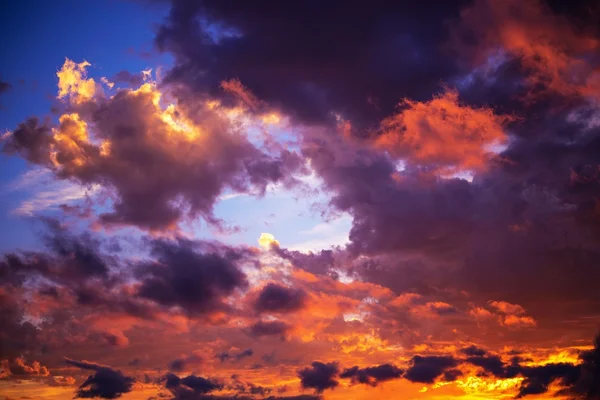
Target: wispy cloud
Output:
[(324, 235), (41, 192)]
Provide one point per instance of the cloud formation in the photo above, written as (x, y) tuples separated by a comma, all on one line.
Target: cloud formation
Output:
[(319, 376), (460, 140), (105, 382), (160, 161)]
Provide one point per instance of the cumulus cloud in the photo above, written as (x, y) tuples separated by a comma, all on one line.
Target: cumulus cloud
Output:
[(160, 162), (443, 135), (19, 368)]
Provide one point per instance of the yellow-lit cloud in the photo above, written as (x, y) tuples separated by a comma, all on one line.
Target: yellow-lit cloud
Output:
[(73, 82)]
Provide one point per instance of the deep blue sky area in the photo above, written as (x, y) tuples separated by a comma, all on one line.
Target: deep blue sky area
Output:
[(35, 38)]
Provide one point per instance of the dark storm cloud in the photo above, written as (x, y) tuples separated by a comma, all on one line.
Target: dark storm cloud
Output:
[(197, 280), (105, 382), (452, 374), (538, 379), (575, 380), (489, 363), (588, 384), (281, 299), (319, 376), (473, 351), (372, 375), (269, 328), (191, 386), (199, 384), (346, 62), (426, 369)]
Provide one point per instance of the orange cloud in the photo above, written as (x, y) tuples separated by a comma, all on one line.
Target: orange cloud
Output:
[(73, 82), (235, 87), (443, 134), (507, 308), (480, 313), (18, 368), (509, 315), (433, 310), (555, 54), (516, 321)]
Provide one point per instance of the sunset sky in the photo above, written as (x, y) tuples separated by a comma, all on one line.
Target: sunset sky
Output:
[(302, 200)]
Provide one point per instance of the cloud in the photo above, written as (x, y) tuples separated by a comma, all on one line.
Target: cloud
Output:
[(372, 375), (184, 276), (513, 315), (492, 364), (553, 53), (105, 382), (237, 356), (59, 380), (18, 336), (354, 72), (73, 82), (159, 164), (319, 376), (269, 328), (18, 368), (235, 87), (443, 135), (116, 338), (507, 308), (131, 79), (426, 369), (184, 387), (280, 299), (473, 351), (181, 363), (470, 264), (538, 379), (266, 240)]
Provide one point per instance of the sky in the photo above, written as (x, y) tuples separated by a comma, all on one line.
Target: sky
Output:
[(224, 199)]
